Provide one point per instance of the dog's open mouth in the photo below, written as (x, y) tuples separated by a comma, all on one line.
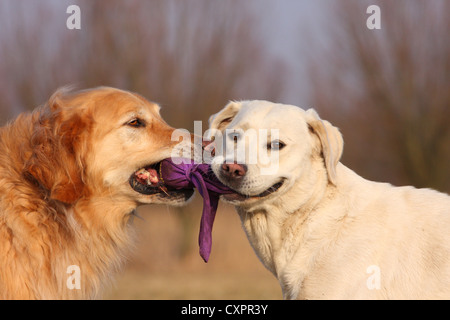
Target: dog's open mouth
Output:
[(242, 197), (148, 181)]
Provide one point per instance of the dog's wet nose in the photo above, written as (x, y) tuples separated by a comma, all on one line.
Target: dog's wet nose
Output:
[(234, 170)]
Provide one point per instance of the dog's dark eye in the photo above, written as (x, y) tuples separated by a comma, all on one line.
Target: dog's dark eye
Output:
[(276, 145), (234, 136), (136, 123)]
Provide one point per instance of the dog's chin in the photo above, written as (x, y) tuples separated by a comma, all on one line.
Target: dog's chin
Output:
[(240, 198), (173, 198)]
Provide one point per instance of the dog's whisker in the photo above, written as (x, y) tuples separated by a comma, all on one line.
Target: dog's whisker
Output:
[(134, 214)]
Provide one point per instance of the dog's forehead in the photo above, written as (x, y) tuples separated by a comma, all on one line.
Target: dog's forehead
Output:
[(264, 114), (116, 103)]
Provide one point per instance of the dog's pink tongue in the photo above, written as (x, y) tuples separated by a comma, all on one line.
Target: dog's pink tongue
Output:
[(148, 176)]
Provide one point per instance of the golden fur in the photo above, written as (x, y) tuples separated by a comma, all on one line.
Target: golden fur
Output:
[(65, 197)]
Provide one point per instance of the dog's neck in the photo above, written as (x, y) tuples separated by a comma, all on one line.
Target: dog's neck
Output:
[(114, 225), (84, 229), (277, 232)]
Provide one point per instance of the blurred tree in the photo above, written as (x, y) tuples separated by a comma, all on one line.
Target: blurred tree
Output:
[(388, 90), (191, 57)]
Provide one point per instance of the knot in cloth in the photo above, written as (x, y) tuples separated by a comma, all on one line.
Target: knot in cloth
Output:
[(181, 173)]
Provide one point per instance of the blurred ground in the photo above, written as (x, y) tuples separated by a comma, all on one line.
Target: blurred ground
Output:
[(166, 265), (182, 285)]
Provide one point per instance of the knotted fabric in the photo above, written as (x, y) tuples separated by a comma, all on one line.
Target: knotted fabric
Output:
[(185, 174)]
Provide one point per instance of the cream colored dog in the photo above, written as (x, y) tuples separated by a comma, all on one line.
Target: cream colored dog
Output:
[(321, 229)]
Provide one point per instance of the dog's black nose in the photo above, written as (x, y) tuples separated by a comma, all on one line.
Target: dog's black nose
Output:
[(234, 170)]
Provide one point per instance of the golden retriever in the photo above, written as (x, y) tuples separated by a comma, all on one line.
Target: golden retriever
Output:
[(68, 190), (321, 229)]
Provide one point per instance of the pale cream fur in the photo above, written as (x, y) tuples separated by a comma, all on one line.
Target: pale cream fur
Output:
[(328, 233)]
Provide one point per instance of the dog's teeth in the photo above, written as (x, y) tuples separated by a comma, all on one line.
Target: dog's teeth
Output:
[(164, 189), (148, 176), (153, 177)]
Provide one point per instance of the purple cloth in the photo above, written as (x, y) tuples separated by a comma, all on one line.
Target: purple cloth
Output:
[(188, 175)]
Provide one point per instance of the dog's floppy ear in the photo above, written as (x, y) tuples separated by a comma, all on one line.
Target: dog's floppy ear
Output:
[(220, 120), (57, 142), (331, 142)]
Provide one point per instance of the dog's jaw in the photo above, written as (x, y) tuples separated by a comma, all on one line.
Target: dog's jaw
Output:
[(249, 191)]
